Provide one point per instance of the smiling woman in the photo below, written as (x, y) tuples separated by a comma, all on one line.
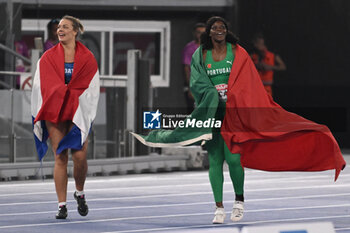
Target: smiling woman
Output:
[(219, 51), (64, 103), (69, 28), (255, 133)]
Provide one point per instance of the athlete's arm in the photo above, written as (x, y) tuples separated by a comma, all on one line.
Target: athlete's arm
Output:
[(279, 64), (187, 69)]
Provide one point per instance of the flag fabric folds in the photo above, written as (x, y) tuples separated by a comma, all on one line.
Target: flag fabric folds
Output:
[(206, 97), (267, 136), (52, 100)]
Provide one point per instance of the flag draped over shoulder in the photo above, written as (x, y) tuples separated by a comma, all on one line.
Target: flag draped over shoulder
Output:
[(54, 101), (267, 136)]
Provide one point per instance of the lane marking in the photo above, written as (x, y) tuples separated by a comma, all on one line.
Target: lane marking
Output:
[(204, 175), (206, 184), (182, 194), (229, 224), (185, 204), (163, 216), (342, 229)]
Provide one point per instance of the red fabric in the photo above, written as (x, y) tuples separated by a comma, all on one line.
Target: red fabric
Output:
[(60, 101), (268, 137)]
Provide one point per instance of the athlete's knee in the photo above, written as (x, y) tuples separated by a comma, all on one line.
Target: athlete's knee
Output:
[(216, 162), (79, 158), (61, 160), (233, 160)]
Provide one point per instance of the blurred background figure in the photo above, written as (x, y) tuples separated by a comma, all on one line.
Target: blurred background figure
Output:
[(266, 62), (187, 53), (21, 48), (52, 39)]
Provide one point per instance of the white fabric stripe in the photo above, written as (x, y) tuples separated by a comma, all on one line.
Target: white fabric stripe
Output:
[(38, 131), (36, 101), (176, 144), (86, 111)]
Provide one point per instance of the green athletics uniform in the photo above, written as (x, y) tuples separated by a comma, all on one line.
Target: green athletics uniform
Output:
[(219, 73)]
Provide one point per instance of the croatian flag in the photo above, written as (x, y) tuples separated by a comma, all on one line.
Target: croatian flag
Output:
[(52, 100)]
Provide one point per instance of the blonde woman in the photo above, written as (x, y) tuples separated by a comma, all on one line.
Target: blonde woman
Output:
[(64, 102)]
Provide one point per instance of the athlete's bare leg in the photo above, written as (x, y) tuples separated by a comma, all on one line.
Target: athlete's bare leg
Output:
[(57, 132)]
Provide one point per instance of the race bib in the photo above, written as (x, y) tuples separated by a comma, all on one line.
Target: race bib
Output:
[(222, 89)]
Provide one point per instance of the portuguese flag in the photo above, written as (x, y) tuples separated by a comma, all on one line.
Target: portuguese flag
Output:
[(267, 136)]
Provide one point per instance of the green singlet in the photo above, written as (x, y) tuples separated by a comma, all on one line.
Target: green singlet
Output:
[(219, 72)]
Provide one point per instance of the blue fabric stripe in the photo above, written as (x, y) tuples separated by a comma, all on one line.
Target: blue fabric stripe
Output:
[(71, 140), (41, 145)]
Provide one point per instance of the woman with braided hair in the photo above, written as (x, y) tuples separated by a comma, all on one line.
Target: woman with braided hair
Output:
[(218, 49), (255, 132)]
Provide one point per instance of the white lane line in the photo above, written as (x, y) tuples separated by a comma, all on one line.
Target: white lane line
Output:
[(186, 204), (206, 184), (113, 198), (240, 223), (196, 227), (161, 216), (299, 187), (116, 189), (126, 178), (187, 194), (342, 229), (100, 220), (93, 180), (166, 195), (229, 224), (159, 178)]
